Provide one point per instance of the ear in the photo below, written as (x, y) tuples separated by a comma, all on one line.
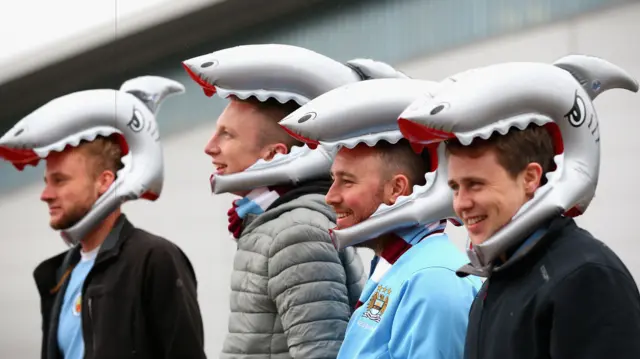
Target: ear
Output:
[(398, 186), (104, 181), (271, 151), (532, 176)]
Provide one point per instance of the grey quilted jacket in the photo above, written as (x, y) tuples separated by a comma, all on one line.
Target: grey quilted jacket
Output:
[(292, 292)]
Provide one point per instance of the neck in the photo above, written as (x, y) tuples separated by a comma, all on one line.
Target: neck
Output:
[(378, 244), (100, 233)]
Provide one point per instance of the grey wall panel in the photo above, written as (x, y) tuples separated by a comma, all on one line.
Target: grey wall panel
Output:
[(390, 30)]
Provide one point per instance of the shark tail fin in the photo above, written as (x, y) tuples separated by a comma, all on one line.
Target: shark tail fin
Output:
[(372, 69), (597, 75), (152, 90)]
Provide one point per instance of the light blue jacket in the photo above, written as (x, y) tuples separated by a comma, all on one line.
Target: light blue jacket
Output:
[(415, 308)]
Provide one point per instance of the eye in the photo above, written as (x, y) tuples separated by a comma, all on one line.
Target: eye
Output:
[(439, 108), (577, 115), (307, 117), (136, 124), (475, 185)]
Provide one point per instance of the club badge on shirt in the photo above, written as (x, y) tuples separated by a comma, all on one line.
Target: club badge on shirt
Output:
[(77, 305), (377, 304)]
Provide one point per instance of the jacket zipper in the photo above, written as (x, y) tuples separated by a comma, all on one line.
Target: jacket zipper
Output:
[(480, 331), (93, 334)]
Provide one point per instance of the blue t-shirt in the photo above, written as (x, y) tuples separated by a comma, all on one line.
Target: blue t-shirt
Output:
[(70, 339)]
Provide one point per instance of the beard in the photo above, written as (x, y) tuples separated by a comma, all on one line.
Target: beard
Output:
[(377, 200), (71, 217)]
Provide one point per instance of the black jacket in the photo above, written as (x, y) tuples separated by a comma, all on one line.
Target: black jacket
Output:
[(138, 301), (570, 297)]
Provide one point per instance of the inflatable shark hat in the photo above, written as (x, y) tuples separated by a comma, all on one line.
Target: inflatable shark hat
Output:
[(84, 115), (366, 112), (286, 73), (498, 97)]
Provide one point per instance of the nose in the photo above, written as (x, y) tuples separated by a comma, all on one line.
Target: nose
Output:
[(212, 148), (47, 195), (462, 202), (333, 197)]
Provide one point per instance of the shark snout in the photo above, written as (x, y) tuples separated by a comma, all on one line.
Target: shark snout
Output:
[(193, 68), (14, 138), (417, 132)]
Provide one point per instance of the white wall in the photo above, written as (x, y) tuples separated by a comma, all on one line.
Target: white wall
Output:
[(187, 214)]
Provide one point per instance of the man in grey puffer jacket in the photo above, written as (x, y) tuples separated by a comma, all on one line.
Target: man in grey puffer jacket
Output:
[(292, 292)]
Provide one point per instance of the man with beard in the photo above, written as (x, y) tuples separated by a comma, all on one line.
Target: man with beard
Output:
[(430, 314), (119, 292), (413, 305)]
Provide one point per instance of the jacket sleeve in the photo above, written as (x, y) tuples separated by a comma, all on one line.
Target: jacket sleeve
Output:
[(596, 314), (432, 316), (171, 298), (307, 282)]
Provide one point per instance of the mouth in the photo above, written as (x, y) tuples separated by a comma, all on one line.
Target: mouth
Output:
[(417, 133), (313, 144), (209, 89), (54, 209), (472, 221), (341, 217), (19, 158), (219, 167)]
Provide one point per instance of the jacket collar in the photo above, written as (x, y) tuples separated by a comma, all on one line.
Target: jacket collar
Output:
[(529, 250), (49, 274), (402, 240)]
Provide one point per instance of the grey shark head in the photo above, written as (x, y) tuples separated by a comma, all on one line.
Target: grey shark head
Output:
[(285, 73), (496, 98), (67, 120), (366, 112)]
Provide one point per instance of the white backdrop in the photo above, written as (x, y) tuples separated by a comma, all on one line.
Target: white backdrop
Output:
[(189, 215)]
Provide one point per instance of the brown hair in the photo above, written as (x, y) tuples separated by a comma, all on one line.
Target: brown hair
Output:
[(274, 111), (106, 154), (514, 150), (400, 158)]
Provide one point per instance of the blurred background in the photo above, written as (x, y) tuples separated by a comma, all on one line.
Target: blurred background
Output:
[(50, 48)]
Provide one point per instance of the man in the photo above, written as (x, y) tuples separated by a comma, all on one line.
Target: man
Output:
[(120, 291), (553, 290), (414, 305), (292, 291)]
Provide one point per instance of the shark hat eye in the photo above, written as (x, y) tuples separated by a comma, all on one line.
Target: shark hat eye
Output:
[(136, 124), (18, 133), (307, 117), (576, 116), (436, 110), (209, 64)]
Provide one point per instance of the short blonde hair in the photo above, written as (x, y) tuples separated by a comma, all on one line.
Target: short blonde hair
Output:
[(273, 111), (105, 152)]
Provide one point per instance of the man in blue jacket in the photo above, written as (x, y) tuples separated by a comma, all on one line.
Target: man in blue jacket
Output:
[(413, 305)]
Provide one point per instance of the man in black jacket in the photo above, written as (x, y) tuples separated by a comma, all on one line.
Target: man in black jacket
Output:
[(122, 292), (561, 293), (119, 292)]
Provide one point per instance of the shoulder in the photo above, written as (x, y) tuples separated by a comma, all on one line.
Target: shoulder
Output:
[(154, 249), (441, 285), (437, 252), (578, 253), (143, 240), (304, 218)]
